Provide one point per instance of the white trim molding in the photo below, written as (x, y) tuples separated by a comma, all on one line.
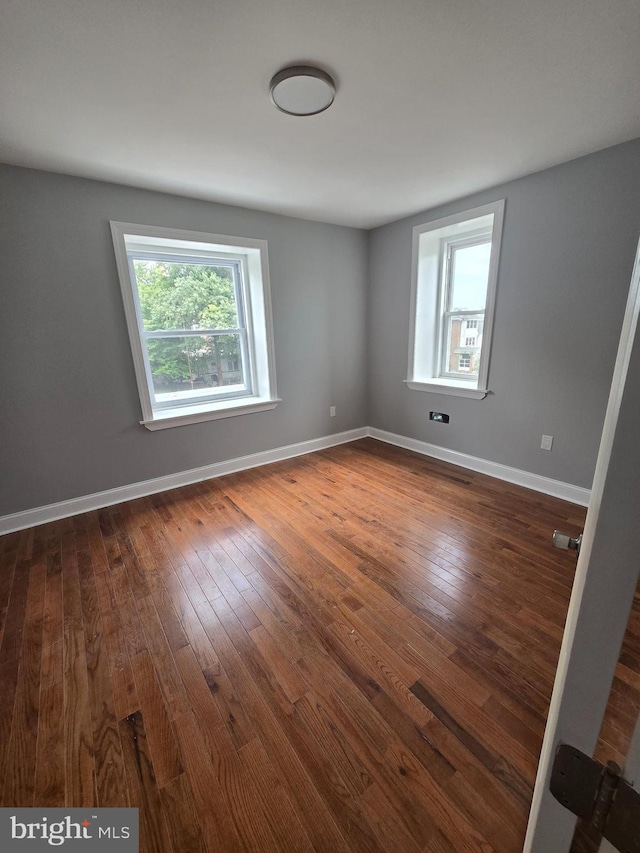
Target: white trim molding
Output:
[(64, 509), (196, 414), (440, 386), (556, 488), (249, 258), (430, 311)]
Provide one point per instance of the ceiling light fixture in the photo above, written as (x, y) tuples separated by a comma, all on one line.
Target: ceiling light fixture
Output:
[(302, 90)]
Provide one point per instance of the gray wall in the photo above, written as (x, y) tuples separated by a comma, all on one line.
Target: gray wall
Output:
[(69, 407), (568, 246)]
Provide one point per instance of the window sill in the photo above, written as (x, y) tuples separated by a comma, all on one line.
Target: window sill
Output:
[(445, 386), (182, 416)]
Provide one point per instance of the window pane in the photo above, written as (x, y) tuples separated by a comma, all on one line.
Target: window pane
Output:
[(192, 367), (469, 277), (463, 345), (186, 296)]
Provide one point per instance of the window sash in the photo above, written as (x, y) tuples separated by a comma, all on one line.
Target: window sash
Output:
[(192, 333), (219, 392), (205, 260), (244, 330), (448, 249), (448, 316)]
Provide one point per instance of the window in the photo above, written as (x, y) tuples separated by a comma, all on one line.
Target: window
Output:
[(455, 266), (199, 318)]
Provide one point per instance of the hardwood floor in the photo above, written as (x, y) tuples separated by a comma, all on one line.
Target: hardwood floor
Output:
[(349, 651)]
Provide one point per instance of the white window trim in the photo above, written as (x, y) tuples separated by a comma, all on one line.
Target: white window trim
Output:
[(462, 388), (254, 255), (425, 308)]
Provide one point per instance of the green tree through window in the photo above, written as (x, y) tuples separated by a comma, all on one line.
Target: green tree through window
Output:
[(187, 296)]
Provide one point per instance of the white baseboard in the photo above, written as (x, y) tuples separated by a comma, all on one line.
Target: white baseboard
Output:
[(556, 488), (54, 512)]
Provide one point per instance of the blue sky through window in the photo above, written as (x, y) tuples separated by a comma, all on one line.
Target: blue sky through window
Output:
[(470, 277)]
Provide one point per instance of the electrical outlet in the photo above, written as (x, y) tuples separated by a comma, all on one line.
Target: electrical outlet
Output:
[(332, 411), (547, 442)]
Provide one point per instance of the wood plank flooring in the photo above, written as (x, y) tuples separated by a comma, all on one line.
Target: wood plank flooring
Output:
[(349, 651)]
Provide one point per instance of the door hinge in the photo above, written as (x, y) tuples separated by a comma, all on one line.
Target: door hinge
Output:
[(599, 795)]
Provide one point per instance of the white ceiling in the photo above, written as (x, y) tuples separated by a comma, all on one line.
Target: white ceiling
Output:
[(436, 98)]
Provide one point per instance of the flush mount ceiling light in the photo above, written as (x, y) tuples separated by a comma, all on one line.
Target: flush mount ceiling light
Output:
[(302, 90)]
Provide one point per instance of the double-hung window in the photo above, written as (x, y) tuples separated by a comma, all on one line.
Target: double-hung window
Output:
[(465, 275), (199, 319), (455, 267)]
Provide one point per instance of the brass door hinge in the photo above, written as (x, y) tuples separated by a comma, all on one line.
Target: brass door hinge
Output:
[(599, 795)]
